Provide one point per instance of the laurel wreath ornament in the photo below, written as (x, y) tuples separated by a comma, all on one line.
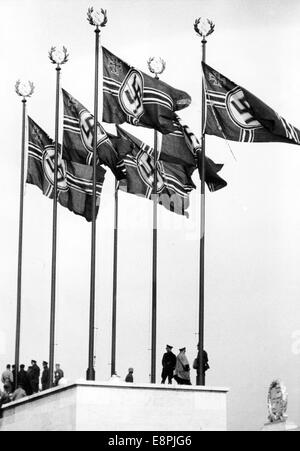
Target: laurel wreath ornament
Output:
[(24, 89), (204, 27), (58, 56), (156, 65), (94, 17)]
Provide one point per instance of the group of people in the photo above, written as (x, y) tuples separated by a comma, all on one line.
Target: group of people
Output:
[(26, 383), (178, 367)]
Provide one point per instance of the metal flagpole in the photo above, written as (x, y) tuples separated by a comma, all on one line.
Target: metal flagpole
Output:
[(95, 19), (203, 28), (156, 66), (115, 284), (24, 90), (57, 57)]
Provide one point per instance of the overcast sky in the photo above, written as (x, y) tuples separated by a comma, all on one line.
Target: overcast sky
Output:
[(252, 311)]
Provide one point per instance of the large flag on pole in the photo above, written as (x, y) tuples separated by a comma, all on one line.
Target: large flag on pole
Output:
[(130, 95), (182, 147), (79, 134), (173, 181), (234, 113), (75, 180)]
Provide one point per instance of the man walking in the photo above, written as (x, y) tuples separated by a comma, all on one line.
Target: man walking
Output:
[(182, 369), (168, 364)]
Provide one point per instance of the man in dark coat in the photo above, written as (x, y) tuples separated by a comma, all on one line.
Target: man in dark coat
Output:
[(168, 364), (23, 380), (45, 377), (34, 376), (196, 364), (129, 377)]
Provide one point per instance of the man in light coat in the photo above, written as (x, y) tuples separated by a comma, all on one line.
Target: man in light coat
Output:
[(182, 369), (7, 377)]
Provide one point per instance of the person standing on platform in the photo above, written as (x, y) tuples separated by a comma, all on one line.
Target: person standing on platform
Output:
[(23, 380), (129, 377), (29, 377), (45, 377), (58, 374), (196, 364), (168, 364), (34, 376), (7, 377), (182, 369)]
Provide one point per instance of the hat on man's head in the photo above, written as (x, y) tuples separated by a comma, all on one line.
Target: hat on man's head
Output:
[(182, 349), (170, 347), (33, 361), (45, 363)]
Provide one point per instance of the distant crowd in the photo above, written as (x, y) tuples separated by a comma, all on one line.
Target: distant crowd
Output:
[(27, 382)]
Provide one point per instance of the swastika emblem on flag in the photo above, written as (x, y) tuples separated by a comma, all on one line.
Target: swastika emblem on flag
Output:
[(86, 121), (239, 110), (131, 95), (48, 167), (145, 166)]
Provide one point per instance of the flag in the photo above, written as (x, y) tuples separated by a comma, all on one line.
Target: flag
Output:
[(78, 137), (182, 147), (234, 113), (173, 181), (74, 180), (130, 95)]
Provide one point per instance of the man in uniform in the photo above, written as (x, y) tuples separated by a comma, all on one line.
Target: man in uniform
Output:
[(23, 380), (45, 377), (168, 364), (34, 376)]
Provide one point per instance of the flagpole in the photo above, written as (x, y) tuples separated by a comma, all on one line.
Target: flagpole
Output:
[(156, 66), (24, 90), (95, 19), (115, 283), (154, 266), (57, 57), (203, 28)]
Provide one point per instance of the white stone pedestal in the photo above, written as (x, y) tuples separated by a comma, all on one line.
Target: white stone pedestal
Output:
[(104, 406), (280, 426)]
